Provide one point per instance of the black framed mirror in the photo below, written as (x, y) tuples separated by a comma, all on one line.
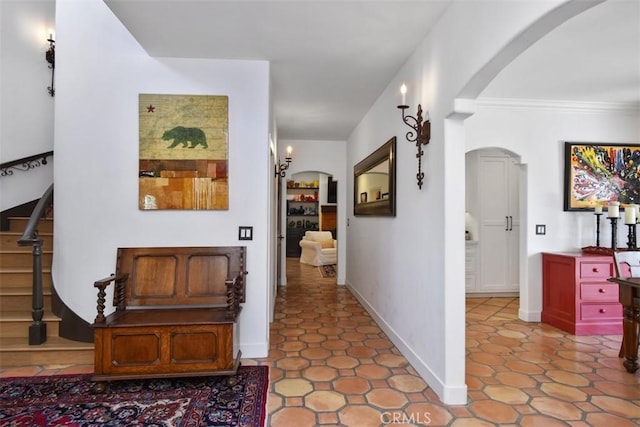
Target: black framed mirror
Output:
[(374, 182)]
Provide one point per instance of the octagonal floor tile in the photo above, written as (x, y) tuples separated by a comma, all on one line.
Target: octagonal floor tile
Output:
[(360, 416), (320, 373), (496, 412), (373, 372), (351, 385), (322, 401), (293, 387), (385, 398), (299, 417), (407, 383)]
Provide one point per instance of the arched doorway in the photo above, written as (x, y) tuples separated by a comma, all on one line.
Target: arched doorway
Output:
[(310, 205)]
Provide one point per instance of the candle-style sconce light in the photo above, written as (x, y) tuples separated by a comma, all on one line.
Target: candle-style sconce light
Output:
[(50, 56), (420, 132), (281, 169)]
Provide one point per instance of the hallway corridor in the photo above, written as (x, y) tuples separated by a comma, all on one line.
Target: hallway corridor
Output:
[(332, 365)]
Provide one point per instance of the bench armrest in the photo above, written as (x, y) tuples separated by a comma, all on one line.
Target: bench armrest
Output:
[(118, 295), (235, 294)]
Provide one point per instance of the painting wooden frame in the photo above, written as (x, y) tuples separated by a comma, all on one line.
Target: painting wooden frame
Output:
[(597, 173)]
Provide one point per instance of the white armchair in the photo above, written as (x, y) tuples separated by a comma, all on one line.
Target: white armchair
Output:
[(318, 248)]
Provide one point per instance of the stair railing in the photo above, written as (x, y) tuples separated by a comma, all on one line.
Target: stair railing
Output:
[(38, 329), (24, 164)]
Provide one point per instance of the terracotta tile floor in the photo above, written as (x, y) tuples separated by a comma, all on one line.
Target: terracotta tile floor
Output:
[(332, 366)]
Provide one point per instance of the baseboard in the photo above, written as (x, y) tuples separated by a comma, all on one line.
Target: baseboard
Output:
[(254, 351), (449, 395), (530, 316), (510, 294), (71, 326)]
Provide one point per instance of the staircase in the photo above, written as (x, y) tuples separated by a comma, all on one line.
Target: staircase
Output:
[(15, 304)]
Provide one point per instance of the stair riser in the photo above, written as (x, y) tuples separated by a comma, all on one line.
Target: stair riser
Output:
[(9, 242), (20, 328), (12, 303), (23, 260), (22, 280), (19, 224), (49, 357)]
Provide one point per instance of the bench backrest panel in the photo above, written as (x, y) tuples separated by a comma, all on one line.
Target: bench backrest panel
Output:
[(179, 275)]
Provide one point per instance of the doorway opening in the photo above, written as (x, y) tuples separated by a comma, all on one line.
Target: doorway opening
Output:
[(311, 222), (492, 223)]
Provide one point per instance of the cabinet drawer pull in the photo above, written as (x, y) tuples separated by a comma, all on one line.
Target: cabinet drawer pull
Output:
[(602, 310), (602, 291)]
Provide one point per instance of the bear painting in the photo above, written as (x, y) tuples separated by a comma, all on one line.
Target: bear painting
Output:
[(183, 151), (183, 135)]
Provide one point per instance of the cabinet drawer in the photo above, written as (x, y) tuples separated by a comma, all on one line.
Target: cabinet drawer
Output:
[(596, 269), (599, 292), (595, 312)]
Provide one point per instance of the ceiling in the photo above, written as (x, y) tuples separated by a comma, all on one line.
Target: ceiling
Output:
[(330, 60)]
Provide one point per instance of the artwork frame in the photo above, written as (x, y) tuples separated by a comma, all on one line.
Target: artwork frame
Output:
[(596, 173), (183, 152), (373, 176)]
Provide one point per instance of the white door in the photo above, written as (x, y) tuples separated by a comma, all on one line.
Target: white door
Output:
[(499, 223)]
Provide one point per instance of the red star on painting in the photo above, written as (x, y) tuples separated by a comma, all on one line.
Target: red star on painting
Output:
[(151, 109)]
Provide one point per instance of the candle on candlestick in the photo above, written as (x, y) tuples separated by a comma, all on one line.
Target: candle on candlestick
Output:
[(403, 91), (613, 209), (598, 209), (630, 214)]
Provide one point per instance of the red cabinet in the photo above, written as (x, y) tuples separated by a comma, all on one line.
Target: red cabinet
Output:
[(576, 296)]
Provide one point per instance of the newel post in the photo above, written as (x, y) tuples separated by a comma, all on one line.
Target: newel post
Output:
[(38, 329)]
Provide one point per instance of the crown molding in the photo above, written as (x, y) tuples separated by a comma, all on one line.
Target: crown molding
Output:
[(552, 105)]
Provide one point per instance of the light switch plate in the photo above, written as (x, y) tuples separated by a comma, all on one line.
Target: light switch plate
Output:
[(541, 229), (245, 233)]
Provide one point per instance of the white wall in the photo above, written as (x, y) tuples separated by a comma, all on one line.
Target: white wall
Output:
[(409, 270), (328, 157), (26, 108), (536, 131), (101, 71)]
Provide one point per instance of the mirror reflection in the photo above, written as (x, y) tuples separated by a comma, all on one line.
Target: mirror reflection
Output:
[(374, 183)]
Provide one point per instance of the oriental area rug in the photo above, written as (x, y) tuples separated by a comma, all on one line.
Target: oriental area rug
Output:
[(328, 270), (68, 400)]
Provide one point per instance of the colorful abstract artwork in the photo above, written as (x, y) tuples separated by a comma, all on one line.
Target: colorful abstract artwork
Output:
[(183, 152), (598, 173)]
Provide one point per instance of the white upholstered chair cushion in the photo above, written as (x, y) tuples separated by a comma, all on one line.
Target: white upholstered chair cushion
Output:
[(318, 248)]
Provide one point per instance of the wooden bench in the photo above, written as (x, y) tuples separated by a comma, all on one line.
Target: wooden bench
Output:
[(175, 316)]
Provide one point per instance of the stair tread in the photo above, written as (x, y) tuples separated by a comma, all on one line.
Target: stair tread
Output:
[(19, 233), (25, 290), (21, 252), (22, 270), (52, 343), (25, 315)]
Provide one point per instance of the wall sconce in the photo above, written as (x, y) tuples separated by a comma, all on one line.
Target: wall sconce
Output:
[(50, 56), (282, 168), (420, 133)]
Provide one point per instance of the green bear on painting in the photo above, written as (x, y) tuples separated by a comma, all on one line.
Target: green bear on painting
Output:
[(182, 135)]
